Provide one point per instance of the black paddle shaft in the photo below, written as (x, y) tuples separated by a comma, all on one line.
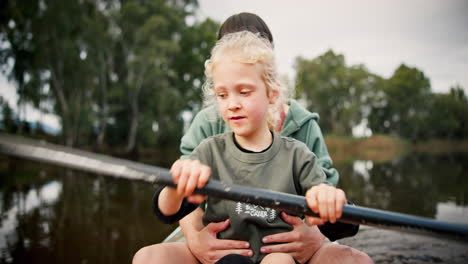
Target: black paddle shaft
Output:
[(294, 204)]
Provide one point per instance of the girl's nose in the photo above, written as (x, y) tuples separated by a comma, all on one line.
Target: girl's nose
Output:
[(234, 103)]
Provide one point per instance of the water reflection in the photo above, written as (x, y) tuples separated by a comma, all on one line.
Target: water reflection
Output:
[(53, 215), (426, 185), (450, 212), (60, 216), (22, 205), (362, 167)]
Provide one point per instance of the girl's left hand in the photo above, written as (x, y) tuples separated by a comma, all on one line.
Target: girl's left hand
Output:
[(327, 201)]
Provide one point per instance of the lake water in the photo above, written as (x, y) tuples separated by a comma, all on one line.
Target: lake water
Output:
[(54, 215)]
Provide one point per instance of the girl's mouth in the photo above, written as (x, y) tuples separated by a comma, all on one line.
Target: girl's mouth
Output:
[(237, 118)]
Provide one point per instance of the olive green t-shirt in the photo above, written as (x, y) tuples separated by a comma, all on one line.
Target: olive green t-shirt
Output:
[(300, 124), (286, 166)]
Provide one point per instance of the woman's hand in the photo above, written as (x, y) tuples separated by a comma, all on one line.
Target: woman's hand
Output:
[(188, 175), (301, 243), (327, 201), (203, 241)]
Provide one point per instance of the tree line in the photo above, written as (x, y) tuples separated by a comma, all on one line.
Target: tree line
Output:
[(402, 105), (122, 73)]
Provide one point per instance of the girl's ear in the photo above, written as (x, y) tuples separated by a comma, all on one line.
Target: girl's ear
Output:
[(274, 95)]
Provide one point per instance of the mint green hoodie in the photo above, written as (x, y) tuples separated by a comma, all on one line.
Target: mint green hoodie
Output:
[(300, 124)]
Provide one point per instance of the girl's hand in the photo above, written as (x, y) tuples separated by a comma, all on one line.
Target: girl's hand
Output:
[(188, 175), (327, 201)]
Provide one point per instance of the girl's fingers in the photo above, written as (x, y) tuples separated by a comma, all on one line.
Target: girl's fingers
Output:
[(340, 201), (204, 176), (175, 171), (196, 198), (189, 175), (184, 176), (199, 175), (192, 181), (327, 201), (322, 204), (311, 198), (331, 204)]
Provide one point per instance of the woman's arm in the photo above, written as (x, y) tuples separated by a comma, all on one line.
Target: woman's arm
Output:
[(303, 125), (206, 123), (319, 148)]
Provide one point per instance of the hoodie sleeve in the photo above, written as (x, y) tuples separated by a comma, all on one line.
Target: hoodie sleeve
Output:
[(206, 123), (311, 135), (318, 146), (303, 125), (338, 230)]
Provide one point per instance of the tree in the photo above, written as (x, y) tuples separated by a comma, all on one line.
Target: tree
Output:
[(405, 106), (185, 92), (148, 47), (7, 116), (448, 120), (337, 92), (196, 42), (46, 42)]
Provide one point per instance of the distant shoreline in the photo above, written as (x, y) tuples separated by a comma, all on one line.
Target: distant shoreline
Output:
[(377, 148), (382, 148)]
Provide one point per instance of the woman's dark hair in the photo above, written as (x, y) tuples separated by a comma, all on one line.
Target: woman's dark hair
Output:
[(245, 21)]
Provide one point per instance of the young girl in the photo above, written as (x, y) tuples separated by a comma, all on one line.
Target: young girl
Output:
[(302, 242), (241, 78)]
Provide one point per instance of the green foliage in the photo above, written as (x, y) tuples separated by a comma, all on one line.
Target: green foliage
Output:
[(113, 71), (46, 41), (401, 105), (196, 42), (122, 72), (448, 118), (7, 116), (339, 93), (161, 58), (404, 110), (409, 109)]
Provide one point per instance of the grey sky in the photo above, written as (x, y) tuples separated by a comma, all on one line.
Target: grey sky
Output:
[(431, 35)]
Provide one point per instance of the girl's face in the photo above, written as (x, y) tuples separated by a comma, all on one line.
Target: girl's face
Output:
[(242, 97)]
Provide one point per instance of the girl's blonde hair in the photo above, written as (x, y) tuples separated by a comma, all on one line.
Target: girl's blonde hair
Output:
[(249, 48)]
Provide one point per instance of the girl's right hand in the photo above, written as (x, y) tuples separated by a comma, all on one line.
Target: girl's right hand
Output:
[(327, 201), (188, 175)]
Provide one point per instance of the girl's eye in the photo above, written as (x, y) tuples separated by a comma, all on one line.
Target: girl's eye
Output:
[(245, 92), (221, 95)]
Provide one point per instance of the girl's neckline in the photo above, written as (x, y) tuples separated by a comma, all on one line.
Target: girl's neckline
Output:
[(250, 151)]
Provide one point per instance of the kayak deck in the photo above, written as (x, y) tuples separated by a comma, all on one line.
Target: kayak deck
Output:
[(176, 236)]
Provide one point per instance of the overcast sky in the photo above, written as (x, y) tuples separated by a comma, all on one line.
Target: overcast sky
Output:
[(431, 35)]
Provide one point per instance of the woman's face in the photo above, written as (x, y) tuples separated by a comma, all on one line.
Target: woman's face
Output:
[(242, 97)]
